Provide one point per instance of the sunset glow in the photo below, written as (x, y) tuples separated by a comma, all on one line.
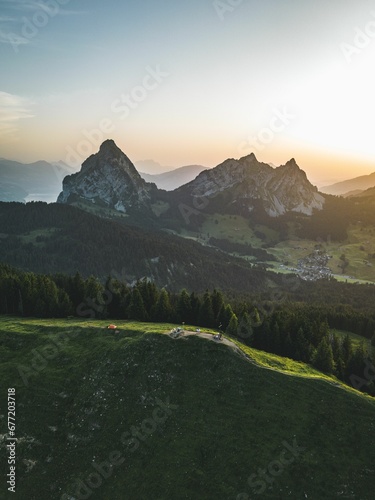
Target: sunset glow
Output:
[(191, 83)]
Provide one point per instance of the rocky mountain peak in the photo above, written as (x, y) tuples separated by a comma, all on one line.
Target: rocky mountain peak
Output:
[(249, 158), (108, 178), (110, 145), (291, 166), (281, 189), (292, 163)]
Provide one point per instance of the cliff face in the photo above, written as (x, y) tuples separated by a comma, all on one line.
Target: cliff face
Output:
[(281, 189), (108, 177)]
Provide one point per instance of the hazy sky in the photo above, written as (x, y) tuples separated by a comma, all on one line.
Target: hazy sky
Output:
[(186, 82)]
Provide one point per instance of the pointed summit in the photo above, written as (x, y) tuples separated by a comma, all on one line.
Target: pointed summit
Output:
[(108, 178), (250, 158), (109, 146), (292, 163), (108, 151)]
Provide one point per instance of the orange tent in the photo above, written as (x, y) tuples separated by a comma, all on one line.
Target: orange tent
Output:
[(112, 327)]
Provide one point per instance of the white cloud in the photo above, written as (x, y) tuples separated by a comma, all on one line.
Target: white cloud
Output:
[(13, 108)]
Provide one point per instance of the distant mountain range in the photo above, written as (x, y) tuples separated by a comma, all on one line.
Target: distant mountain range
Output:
[(174, 178), (35, 181), (351, 187), (151, 167), (42, 180)]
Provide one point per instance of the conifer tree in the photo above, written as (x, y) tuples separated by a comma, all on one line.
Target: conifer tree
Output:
[(232, 328), (245, 330), (136, 308), (163, 310), (195, 307), (206, 313), (217, 303), (323, 357), (184, 309), (225, 316), (346, 349)]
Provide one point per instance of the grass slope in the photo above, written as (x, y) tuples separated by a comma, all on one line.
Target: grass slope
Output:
[(229, 418)]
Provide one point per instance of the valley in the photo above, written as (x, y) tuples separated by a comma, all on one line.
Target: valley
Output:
[(358, 248)]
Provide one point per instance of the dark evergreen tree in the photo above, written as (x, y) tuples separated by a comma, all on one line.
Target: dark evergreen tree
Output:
[(225, 316), (137, 310), (206, 313), (323, 357), (217, 301), (245, 330), (275, 338), (183, 309), (195, 308), (302, 351), (232, 328), (288, 347), (163, 311), (346, 349), (149, 293)]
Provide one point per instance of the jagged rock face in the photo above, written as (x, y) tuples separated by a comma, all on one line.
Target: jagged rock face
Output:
[(108, 177), (282, 189)]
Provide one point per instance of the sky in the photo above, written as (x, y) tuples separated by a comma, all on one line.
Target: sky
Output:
[(192, 82)]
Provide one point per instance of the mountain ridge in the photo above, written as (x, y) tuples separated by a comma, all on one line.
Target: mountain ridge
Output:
[(281, 189), (22, 181), (362, 183), (109, 177)]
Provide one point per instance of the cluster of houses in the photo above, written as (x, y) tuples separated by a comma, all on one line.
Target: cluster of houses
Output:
[(314, 266)]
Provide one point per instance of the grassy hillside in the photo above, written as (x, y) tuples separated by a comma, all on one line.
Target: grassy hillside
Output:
[(93, 397)]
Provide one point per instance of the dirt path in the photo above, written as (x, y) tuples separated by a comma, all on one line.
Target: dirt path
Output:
[(211, 337)]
